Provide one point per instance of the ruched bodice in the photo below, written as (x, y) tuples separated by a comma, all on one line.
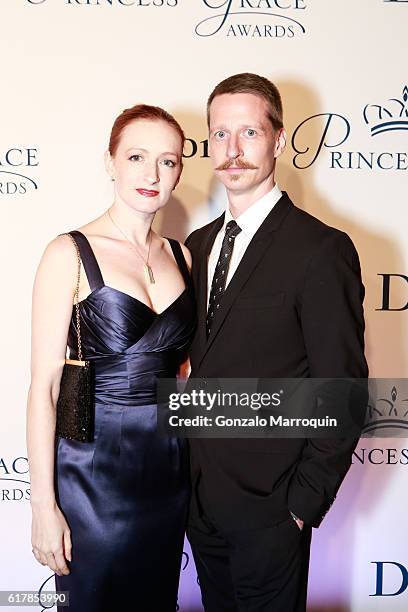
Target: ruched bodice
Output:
[(129, 344)]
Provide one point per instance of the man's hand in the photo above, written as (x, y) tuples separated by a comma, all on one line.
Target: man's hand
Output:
[(298, 521)]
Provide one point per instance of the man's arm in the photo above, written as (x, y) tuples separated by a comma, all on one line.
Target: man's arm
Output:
[(193, 240), (332, 321), (187, 241)]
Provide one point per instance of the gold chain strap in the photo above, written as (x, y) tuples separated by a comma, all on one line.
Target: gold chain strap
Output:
[(78, 318)]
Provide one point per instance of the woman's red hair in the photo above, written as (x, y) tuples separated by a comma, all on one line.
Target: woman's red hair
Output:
[(141, 111)]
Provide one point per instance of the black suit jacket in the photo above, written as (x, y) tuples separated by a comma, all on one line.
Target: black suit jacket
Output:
[(292, 309)]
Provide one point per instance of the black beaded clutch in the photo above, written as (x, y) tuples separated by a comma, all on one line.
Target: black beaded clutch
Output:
[(75, 405)]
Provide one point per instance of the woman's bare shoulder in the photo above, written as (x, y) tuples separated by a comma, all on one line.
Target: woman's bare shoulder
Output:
[(61, 246), (187, 255), (59, 255), (186, 252)]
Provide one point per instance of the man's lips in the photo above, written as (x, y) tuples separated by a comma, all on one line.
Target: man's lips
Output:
[(147, 193), (234, 169)]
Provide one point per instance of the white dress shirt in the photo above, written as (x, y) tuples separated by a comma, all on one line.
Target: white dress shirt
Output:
[(249, 222)]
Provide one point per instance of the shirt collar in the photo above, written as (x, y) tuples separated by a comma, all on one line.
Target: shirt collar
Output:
[(251, 220)]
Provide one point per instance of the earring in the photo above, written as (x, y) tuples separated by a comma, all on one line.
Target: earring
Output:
[(112, 179)]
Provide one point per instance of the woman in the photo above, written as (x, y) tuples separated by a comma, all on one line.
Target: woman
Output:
[(109, 515)]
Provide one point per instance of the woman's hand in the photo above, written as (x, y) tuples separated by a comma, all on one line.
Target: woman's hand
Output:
[(51, 539)]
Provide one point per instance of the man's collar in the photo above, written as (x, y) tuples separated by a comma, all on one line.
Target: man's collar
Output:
[(251, 220)]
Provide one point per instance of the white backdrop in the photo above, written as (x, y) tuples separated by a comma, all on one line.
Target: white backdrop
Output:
[(70, 66)]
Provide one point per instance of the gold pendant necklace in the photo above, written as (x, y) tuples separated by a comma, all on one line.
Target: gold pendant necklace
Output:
[(147, 269), (149, 274)]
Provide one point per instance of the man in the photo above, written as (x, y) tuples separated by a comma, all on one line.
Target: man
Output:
[(279, 295)]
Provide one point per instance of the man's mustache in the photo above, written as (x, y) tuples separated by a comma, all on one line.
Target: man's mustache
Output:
[(237, 163)]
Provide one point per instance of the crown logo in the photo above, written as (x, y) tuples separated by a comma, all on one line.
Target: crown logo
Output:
[(390, 117), (387, 412)]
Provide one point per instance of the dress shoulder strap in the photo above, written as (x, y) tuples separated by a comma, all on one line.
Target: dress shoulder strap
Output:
[(181, 262), (89, 261)]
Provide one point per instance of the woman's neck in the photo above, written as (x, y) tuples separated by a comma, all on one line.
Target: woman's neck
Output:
[(134, 224)]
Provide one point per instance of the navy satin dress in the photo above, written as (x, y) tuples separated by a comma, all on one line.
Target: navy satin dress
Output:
[(125, 495)]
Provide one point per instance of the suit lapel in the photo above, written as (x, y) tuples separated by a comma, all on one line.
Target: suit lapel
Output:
[(202, 280), (255, 251)]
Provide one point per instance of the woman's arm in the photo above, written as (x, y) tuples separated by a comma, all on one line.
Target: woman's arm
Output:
[(53, 293)]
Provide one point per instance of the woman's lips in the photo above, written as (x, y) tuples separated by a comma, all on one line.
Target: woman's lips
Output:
[(147, 193)]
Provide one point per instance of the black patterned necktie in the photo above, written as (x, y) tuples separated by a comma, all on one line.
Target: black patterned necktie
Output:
[(219, 280)]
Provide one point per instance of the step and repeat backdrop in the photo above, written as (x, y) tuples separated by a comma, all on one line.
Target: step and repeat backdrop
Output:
[(70, 66)]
